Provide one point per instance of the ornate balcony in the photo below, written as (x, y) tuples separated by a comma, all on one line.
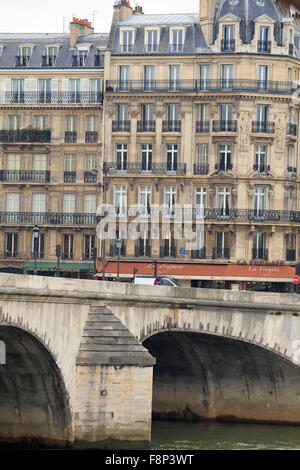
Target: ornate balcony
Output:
[(70, 177), (138, 168), (91, 136), (25, 135), (202, 127), (260, 253), (51, 97), (121, 126), (90, 177), (171, 126), (224, 126), (261, 168), (263, 127), (25, 176), (47, 218), (146, 126), (201, 169), (70, 137), (222, 166)]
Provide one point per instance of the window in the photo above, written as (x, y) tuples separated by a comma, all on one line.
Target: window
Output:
[(80, 57), (11, 245), (74, 90), (151, 40), (260, 158), (174, 77), (227, 76), (221, 250), (122, 114), (260, 202), (224, 157), (88, 246), (44, 91), (149, 74), (23, 57), (144, 201), (50, 56), (124, 75), (89, 203), (41, 122), (18, 91), (146, 157), (90, 162), (92, 125), (168, 249), (177, 40), (170, 195), (228, 43), (39, 162), (223, 202), (143, 245), (225, 118), (120, 200), (262, 118), (290, 243), (201, 165), (95, 90), (14, 122), (173, 118), (259, 246), (38, 203), (200, 201), (12, 202), (203, 112), (172, 157), (204, 77), (70, 162), (263, 76), (121, 157), (290, 158), (264, 45), (127, 41), (148, 123), (68, 246), (13, 161), (69, 203), (72, 123)]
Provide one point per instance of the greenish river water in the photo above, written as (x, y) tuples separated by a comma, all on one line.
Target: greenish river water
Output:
[(223, 436)]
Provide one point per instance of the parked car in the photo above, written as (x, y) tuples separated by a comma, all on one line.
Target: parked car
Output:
[(158, 281)]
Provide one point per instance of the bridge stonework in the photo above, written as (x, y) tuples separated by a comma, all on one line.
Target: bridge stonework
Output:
[(80, 358)]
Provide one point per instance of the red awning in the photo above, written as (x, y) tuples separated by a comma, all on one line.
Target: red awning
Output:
[(203, 271)]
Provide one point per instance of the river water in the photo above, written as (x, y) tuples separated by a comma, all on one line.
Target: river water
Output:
[(223, 436)]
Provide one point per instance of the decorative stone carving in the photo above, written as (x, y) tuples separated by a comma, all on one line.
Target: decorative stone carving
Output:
[(279, 134), (244, 132)]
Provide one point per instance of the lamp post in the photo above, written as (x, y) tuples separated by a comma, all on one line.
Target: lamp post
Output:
[(119, 245), (35, 235)]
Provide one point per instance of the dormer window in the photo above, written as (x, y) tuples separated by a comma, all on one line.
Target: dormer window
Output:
[(177, 40), (264, 44), (80, 57), (50, 56), (228, 41), (151, 38), (99, 59), (127, 41), (23, 57)]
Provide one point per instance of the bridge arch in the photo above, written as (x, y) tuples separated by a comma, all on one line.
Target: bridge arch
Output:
[(34, 408), (206, 376)]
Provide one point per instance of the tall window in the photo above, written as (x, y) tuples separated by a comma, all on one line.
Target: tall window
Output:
[(260, 158), (120, 200), (174, 77), (50, 56), (122, 113), (44, 90), (226, 117), (259, 202), (68, 246), (14, 122), (225, 157), (228, 38), (146, 157), (223, 201), (70, 162), (204, 73), (23, 57), (13, 161), (227, 76), (144, 201), (173, 118), (177, 40), (12, 202), (152, 40), (39, 162), (172, 157), (202, 166), (92, 125), (90, 203), (170, 195), (147, 124), (39, 207), (69, 203), (127, 41), (41, 122), (74, 90), (200, 200), (71, 123), (149, 77), (88, 246), (262, 117), (124, 76), (18, 90), (11, 245), (263, 76), (90, 162), (259, 246), (264, 43), (95, 90), (221, 250), (121, 157)]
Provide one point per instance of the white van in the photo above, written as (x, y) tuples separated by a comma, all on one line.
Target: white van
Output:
[(158, 281)]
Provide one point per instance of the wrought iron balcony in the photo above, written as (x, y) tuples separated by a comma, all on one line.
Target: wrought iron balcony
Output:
[(90, 177), (263, 127), (222, 166), (260, 253), (171, 126), (198, 254), (141, 251), (245, 215), (51, 97), (91, 136), (48, 60), (47, 218), (203, 86), (140, 168), (22, 60), (292, 129), (202, 127), (146, 126), (224, 126), (70, 137), (261, 168), (290, 255), (121, 126), (25, 176), (227, 45), (70, 177), (168, 252), (221, 253), (201, 169), (25, 135), (264, 46)]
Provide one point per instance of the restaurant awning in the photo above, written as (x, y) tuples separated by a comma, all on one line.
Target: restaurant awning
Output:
[(224, 272), (63, 267)]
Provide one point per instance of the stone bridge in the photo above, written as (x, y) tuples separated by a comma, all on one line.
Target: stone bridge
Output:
[(88, 363)]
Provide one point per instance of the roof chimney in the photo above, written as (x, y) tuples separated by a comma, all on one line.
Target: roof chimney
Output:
[(79, 28), (138, 10), (122, 10)]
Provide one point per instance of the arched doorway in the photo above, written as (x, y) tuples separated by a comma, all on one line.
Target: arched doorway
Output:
[(33, 401)]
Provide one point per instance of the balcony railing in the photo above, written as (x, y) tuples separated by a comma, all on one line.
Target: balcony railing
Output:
[(203, 86), (264, 46), (224, 126), (290, 255), (171, 126), (227, 45), (47, 218), (221, 253), (202, 127), (70, 177), (121, 126), (114, 250), (291, 129), (139, 168), (142, 251), (261, 168), (168, 252), (51, 97), (70, 137), (260, 253), (91, 136), (201, 169), (90, 177), (25, 176), (146, 126), (22, 60), (25, 135), (244, 215), (263, 127), (222, 166), (198, 254)]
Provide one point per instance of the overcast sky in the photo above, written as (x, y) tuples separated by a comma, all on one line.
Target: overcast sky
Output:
[(49, 17)]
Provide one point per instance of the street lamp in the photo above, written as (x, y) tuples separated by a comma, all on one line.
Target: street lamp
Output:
[(119, 245), (35, 235)]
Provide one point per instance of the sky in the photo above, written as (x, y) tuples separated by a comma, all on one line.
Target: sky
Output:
[(54, 16)]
